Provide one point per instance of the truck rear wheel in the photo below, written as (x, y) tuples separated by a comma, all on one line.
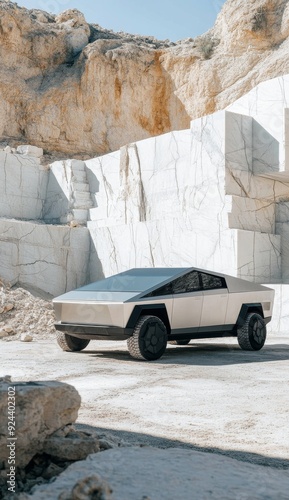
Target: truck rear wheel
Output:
[(252, 335), (69, 343)]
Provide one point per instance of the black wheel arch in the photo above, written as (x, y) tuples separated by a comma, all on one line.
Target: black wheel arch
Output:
[(158, 310), (246, 309)]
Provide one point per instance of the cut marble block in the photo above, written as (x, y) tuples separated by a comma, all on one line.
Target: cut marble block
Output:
[(23, 184), (51, 258), (28, 150), (82, 187), (282, 212), (249, 146), (267, 105), (266, 151), (251, 214), (77, 214), (259, 256), (103, 176), (81, 199), (244, 183), (189, 198), (67, 192), (280, 318), (283, 230), (157, 178), (167, 242), (176, 242), (238, 148), (78, 176), (146, 181)]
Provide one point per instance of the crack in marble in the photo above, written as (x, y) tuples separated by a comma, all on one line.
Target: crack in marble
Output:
[(37, 261), (113, 253), (239, 182), (142, 195), (107, 188)]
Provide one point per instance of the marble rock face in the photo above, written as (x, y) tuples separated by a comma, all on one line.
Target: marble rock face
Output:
[(215, 196), (51, 258), (187, 198), (68, 195), (23, 184)]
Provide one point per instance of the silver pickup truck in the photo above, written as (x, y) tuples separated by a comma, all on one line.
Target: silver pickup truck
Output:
[(150, 307)]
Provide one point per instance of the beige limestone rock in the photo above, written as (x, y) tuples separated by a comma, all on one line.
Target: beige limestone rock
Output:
[(77, 88), (8, 307), (8, 329), (26, 337), (29, 150), (41, 409), (75, 445)]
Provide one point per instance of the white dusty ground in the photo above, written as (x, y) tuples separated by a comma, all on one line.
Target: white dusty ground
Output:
[(208, 395)]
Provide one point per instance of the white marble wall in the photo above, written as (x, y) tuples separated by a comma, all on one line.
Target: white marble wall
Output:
[(68, 195), (161, 201), (280, 318), (215, 196), (51, 258), (267, 105), (180, 199), (167, 242), (23, 183)]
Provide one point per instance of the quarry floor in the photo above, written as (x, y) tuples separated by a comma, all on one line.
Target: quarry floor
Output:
[(209, 395)]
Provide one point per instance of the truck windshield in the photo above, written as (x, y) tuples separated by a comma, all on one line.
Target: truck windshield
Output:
[(134, 280)]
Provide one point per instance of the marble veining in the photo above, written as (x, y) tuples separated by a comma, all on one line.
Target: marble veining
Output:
[(214, 196)]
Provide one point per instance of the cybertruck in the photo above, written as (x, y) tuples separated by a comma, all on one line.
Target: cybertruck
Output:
[(153, 306)]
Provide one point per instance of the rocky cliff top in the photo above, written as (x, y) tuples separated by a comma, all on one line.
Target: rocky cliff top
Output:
[(76, 88)]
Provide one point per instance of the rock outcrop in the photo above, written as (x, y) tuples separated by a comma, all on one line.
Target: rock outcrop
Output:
[(70, 86), (37, 440), (42, 409), (151, 473)]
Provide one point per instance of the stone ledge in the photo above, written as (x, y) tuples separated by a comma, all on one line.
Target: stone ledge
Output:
[(154, 474)]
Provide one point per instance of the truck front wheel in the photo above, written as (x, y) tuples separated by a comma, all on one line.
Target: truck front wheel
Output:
[(149, 339)]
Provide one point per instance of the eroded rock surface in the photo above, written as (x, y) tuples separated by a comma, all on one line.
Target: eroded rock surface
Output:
[(154, 474), (42, 408), (44, 440), (74, 87)]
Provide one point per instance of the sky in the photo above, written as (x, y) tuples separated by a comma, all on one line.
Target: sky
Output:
[(163, 19)]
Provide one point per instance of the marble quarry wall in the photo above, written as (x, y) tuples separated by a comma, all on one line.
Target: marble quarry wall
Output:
[(51, 258), (215, 196)]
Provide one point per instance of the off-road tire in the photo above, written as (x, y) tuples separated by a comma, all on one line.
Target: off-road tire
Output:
[(179, 342), (252, 335), (149, 339), (69, 343)]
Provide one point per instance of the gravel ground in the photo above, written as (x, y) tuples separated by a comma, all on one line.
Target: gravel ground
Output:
[(206, 396), (22, 312)]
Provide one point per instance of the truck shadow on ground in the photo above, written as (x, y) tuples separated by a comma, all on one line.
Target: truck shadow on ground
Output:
[(127, 438), (202, 355)]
